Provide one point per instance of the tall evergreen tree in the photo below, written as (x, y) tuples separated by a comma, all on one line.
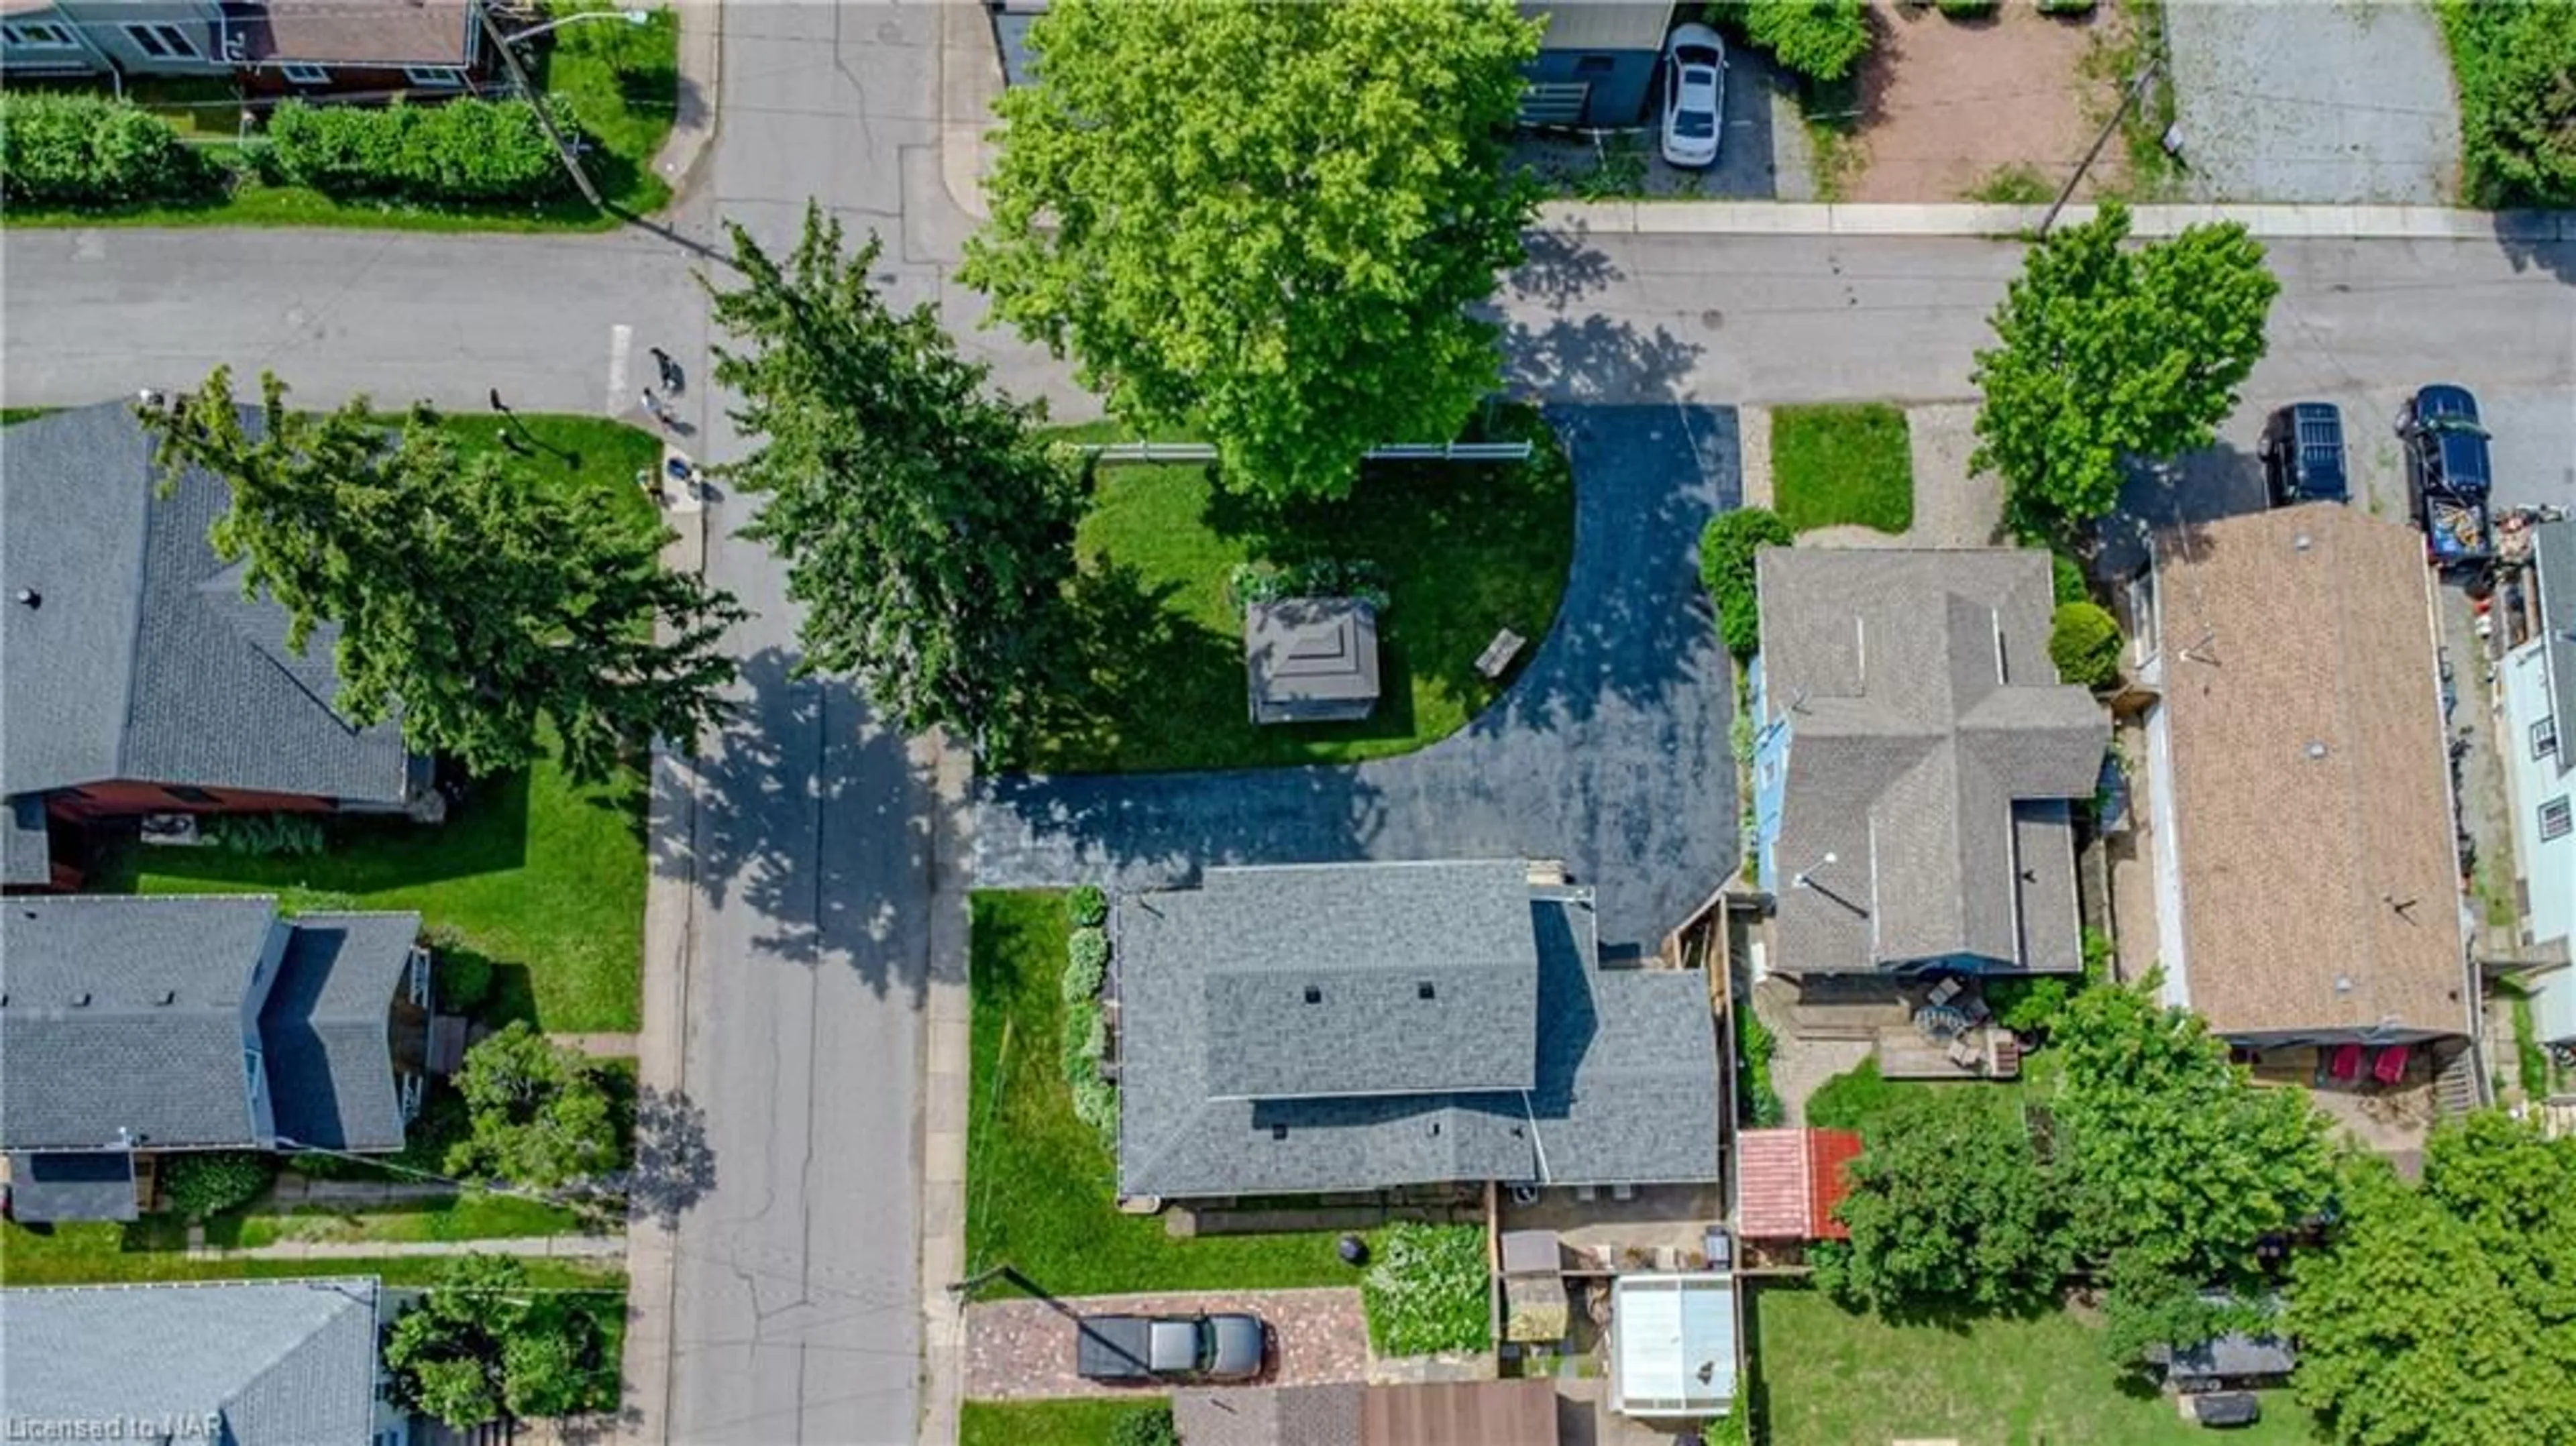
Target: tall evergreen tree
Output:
[(926, 527), (471, 596)]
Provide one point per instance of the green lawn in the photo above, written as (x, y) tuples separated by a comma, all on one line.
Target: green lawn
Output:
[(1826, 1377), (1462, 552), (464, 1217), (149, 1250), (621, 81), (541, 876), (1040, 1187), (1842, 464), (11, 416), (1048, 1423)]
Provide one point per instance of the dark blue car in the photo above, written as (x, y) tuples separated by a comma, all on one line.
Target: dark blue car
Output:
[(2448, 474)]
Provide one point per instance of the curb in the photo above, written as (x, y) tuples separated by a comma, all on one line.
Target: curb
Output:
[(1803, 218)]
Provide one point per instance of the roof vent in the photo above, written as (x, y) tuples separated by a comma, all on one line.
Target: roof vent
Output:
[(29, 597), (167, 996), (2343, 984), (1278, 1132), (1424, 990), (2316, 749), (80, 1000), (2303, 542), (1314, 995)]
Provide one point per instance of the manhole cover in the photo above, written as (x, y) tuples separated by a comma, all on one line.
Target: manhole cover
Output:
[(1712, 318)]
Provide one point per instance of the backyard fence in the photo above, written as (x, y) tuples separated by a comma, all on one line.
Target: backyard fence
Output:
[(1395, 452)]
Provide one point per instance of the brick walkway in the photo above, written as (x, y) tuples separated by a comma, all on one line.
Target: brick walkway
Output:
[(1018, 1349)]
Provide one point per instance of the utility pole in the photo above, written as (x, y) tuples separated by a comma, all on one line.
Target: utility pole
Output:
[(2128, 100), (545, 113)]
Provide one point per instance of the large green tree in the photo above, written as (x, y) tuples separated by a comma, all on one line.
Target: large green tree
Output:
[(2445, 1315), (2170, 1149), (2516, 65), (1949, 1203), (469, 595), (1266, 222), (538, 1113), (2106, 353), (483, 1343), (926, 527)]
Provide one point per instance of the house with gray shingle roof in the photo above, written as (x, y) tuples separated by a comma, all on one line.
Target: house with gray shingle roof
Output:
[(149, 1025), (140, 679), (1917, 762), (1306, 1029), (230, 1363)]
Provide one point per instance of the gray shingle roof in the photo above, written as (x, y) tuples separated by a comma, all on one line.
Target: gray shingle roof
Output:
[(29, 852), (330, 1066), (279, 1363), (315, 991), (1924, 718), (1310, 659), (1623, 1067), (1315, 979), (91, 1185), (142, 661), (2553, 549), (174, 1074)]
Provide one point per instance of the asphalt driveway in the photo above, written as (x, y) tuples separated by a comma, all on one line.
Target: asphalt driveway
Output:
[(2317, 101), (1610, 752)]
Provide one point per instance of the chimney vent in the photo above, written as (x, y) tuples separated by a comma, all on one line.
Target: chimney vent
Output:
[(28, 597), (168, 996), (80, 1000)]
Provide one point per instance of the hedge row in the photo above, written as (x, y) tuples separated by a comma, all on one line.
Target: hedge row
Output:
[(87, 150), (2517, 105), (1726, 549), (463, 150)]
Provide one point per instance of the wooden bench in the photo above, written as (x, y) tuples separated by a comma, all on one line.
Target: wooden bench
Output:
[(1499, 653)]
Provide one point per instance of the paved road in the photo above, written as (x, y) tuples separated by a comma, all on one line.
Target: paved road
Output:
[(1609, 752)]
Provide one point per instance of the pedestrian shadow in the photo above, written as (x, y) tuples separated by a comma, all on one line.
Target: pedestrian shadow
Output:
[(806, 812)]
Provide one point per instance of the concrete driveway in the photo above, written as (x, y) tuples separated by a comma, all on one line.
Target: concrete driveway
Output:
[(1610, 752), (2314, 100)]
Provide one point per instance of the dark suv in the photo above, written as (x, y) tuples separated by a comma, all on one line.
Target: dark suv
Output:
[(2302, 454), (2446, 446)]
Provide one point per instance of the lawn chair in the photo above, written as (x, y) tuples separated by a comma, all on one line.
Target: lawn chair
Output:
[(2391, 1066), (1943, 992), (2346, 1066)]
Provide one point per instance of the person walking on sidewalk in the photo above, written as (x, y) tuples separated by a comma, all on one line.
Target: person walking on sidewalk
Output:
[(674, 380)]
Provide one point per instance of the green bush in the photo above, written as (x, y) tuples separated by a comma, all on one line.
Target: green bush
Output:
[(89, 150), (1427, 1292), (2067, 577), (1819, 39), (1754, 1046), (1088, 906), (2066, 7), (2084, 643), (199, 1185), (1726, 549), (264, 835), (2512, 59), (1850, 1100), (464, 150), (1086, 964), (1084, 1040), (1151, 1426), (1968, 9), (460, 980), (1095, 1103)]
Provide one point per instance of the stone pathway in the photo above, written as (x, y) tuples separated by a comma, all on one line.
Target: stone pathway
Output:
[(1022, 1349), (566, 1247)]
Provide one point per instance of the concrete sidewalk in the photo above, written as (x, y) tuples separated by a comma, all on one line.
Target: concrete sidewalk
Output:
[(604, 1248), (693, 129), (1802, 218)]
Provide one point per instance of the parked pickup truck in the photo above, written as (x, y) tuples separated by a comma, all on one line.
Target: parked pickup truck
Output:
[(1137, 1348), (2448, 477)]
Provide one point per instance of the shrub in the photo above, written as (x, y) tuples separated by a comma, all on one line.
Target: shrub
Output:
[(2067, 577), (2517, 109), (1261, 582), (264, 835), (1850, 1100), (199, 1185), (461, 979), (2084, 643), (1726, 550), (1968, 9), (1095, 1103), (1427, 1292), (1754, 1045), (1084, 1040), (1150, 1426), (1088, 906), (465, 150), (1819, 39), (88, 150), (1086, 964), (2066, 7)]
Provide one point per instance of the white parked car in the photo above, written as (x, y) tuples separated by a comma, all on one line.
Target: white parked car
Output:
[(1694, 96)]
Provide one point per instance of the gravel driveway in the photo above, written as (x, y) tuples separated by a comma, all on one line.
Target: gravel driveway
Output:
[(1019, 1349), (2319, 101), (1609, 753)]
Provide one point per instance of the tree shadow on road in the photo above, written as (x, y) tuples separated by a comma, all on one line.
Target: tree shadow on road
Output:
[(813, 815), (1562, 267), (674, 1165)]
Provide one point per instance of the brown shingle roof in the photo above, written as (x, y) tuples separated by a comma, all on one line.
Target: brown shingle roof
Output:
[(2311, 799), (353, 32)]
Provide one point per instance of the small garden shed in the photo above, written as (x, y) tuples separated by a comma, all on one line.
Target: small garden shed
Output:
[(1672, 1345)]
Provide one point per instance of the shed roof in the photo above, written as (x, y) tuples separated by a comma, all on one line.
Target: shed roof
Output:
[(1310, 656), (1672, 1345), (278, 1363), (1788, 1181), (1930, 753), (2309, 785), (90, 1185), (139, 658)]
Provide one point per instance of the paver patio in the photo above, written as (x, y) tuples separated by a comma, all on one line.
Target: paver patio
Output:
[(1023, 1349)]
